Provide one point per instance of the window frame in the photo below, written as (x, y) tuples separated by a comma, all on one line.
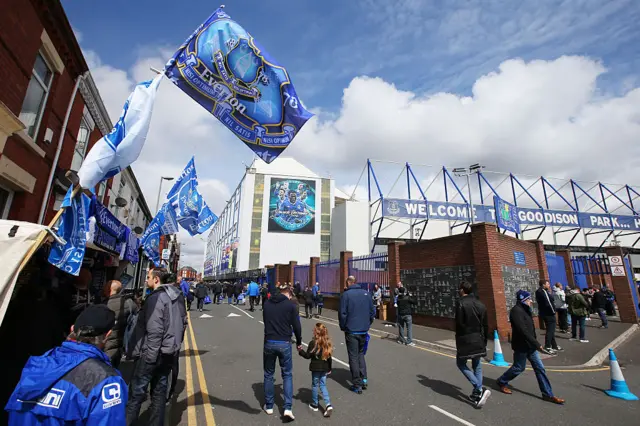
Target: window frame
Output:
[(40, 114), (87, 124)]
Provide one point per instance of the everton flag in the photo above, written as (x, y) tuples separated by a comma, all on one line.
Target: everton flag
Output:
[(506, 215), (73, 230), (164, 223), (230, 74), (192, 212), (117, 150)]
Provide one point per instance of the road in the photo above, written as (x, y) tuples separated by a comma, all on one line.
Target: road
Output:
[(221, 381)]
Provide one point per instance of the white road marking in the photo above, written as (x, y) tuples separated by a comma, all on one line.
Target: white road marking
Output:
[(451, 416), (232, 315), (335, 359), (260, 322), (205, 316), (243, 311)]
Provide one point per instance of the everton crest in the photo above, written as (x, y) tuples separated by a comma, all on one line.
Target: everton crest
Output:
[(224, 69)]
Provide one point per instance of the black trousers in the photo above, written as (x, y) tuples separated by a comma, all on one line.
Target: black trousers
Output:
[(252, 302), (320, 309), (200, 302), (145, 374), (562, 317), (357, 365), (550, 336), (216, 298), (308, 309), (175, 369)]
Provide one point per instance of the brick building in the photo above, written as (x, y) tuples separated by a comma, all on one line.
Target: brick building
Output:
[(188, 273), (50, 110)]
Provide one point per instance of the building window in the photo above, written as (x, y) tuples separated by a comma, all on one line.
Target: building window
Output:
[(36, 97), (6, 196), (81, 145)]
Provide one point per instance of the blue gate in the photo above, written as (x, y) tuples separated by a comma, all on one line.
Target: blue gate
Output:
[(271, 276), (370, 270), (301, 275), (589, 265), (328, 276), (632, 284), (556, 268)]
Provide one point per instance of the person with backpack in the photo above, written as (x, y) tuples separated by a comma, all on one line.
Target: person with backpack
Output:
[(472, 331), (156, 340), (123, 308)]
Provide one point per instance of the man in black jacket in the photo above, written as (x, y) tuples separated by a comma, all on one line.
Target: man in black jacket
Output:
[(201, 293), (307, 295), (217, 291), (599, 305), (525, 347), (123, 307), (547, 312), (472, 329), (404, 317), (280, 317)]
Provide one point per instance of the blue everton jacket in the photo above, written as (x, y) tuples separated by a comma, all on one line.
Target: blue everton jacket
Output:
[(71, 385)]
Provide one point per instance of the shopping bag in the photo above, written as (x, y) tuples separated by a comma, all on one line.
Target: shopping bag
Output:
[(366, 344), (207, 300)]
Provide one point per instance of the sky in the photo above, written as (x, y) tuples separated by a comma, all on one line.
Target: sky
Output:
[(542, 88)]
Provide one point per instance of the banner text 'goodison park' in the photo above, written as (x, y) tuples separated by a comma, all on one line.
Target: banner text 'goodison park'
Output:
[(417, 209)]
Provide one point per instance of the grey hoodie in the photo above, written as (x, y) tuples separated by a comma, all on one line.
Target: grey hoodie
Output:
[(161, 325)]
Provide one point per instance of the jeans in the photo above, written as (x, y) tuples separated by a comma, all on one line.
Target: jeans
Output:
[(562, 318), (405, 320), (603, 317), (475, 376), (200, 302), (282, 352), (319, 380), (519, 364), (144, 374), (357, 365), (575, 321), (550, 336), (252, 302)]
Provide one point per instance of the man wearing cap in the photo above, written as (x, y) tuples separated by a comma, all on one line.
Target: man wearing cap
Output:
[(155, 343), (73, 383), (526, 347)]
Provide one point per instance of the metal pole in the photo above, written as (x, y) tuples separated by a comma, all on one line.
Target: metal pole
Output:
[(159, 192), (471, 215)]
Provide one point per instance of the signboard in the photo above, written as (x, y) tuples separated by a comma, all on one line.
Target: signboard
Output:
[(292, 206), (507, 217), (518, 258), (615, 261), (437, 210), (618, 271), (165, 254)]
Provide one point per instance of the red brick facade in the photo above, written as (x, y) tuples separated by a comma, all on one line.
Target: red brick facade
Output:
[(31, 27)]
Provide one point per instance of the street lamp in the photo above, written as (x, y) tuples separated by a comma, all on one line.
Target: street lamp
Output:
[(466, 172), (162, 178)]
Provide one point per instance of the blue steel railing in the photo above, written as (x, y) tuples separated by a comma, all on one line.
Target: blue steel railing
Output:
[(370, 270), (328, 276)]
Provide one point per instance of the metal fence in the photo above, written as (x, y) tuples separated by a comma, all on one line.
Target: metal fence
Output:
[(328, 276), (301, 275), (370, 270), (587, 265)]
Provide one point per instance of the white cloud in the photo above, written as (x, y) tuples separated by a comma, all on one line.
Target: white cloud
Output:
[(538, 117)]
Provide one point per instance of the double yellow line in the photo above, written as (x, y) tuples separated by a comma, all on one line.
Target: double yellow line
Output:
[(191, 399)]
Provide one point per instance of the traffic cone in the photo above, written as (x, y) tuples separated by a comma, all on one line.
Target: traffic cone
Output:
[(498, 358), (619, 388)]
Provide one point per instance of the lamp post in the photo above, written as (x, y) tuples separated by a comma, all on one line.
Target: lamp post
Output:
[(468, 171), (162, 178)]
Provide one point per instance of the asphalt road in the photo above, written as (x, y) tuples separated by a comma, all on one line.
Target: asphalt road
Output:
[(221, 382)]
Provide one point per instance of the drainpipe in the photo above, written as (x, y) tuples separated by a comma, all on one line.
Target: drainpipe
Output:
[(47, 190)]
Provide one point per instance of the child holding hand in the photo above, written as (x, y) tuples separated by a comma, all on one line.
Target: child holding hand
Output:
[(319, 352)]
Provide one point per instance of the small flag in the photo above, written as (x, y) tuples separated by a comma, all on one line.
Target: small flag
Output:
[(193, 214), (223, 68), (117, 150), (164, 223), (73, 229)]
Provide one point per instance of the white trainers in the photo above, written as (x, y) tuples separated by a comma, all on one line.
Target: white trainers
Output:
[(288, 414), (584, 341), (486, 393), (267, 410), (328, 411)]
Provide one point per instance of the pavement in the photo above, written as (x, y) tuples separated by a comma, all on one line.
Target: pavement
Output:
[(574, 353), (221, 383)]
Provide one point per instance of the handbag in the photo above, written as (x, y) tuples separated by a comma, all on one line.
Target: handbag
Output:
[(207, 300)]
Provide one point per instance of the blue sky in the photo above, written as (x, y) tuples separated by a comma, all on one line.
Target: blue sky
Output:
[(535, 87), (424, 46)]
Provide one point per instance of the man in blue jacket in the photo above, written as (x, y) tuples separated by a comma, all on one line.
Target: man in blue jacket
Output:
[(253, 289), (73, 384), (356, 316)]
